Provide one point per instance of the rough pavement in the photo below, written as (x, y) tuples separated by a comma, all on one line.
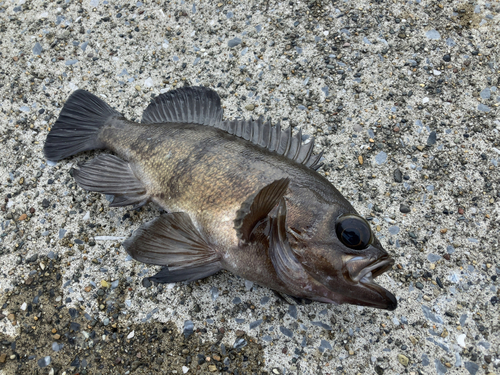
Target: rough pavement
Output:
[(403, 99)]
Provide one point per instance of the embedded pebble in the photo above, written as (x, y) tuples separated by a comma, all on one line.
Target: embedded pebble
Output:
[(234, 42)]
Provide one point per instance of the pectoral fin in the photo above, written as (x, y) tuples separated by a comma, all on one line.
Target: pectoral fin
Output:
[(258, 206), (287, 267), (171, 240)]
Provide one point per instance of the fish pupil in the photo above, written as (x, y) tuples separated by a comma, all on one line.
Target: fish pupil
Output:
[(351, 237), (353, 232)]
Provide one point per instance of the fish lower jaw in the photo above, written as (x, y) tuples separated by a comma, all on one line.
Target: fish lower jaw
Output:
[(367, 279)]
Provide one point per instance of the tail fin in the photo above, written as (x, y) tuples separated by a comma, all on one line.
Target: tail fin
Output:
[(77, 128)]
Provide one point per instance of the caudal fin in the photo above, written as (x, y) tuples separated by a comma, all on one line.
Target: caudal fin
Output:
[(78, 126)]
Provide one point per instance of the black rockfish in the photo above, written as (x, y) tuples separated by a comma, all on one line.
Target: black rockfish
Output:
[(239, 195)]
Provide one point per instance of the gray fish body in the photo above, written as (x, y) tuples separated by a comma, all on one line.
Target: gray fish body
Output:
[(255, 206), (208, 173)]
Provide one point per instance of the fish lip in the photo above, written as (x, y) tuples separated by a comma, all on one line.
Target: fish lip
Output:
[(366, 276), (376, 268)]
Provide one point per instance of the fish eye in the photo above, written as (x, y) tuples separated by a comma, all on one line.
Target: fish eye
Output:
[(354, 232)]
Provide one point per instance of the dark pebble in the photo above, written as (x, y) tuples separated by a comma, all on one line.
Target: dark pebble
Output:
[(432, 139), (45, 203), (419, 285), (146, 283), (438, 281), (447, 58), (404, 208), (75, 327), (398, 176)]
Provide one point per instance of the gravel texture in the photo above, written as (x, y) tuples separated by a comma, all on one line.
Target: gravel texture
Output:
[(403, 98)]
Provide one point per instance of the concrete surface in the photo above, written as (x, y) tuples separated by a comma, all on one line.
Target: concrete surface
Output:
[(403, 98)]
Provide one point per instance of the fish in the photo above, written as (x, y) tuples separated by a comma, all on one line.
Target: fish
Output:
[(238, 195)]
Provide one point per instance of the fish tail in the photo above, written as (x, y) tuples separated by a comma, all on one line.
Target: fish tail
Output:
[(78, 126)]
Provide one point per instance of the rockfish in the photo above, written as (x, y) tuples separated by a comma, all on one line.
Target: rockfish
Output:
[(239, 195)]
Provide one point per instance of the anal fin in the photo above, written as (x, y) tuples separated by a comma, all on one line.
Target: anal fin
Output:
[(171, 240), (108, 174)]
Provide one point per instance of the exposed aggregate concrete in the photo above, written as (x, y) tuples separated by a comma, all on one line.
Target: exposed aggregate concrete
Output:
[(403, 99)]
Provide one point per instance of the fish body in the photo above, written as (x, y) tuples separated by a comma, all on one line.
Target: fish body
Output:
[(239, 195)]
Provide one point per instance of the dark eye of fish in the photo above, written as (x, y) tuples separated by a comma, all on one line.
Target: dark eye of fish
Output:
[(354, 232)]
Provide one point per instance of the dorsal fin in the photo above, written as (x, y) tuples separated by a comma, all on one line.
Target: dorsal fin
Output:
[(201, 105), (190, 105), (276, 139)]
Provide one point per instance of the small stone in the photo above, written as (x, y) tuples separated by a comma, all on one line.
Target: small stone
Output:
[(56, 336), (433, 34), (381, 157), (104, 284), (485, 93), (360, 159), (420, 148), (37, 49), (403, 359), (212, 368), (250, 107), (88, 288), (398, 175), (239, 333), (22, 217), (483, 108), (234, 42), (3, 357), (447, 57), (432, 138), (44, 362), (404, 208)]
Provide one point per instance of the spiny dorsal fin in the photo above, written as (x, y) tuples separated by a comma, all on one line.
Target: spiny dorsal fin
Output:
[(201, 105), (258, 206), (276, 139), (190, 105)]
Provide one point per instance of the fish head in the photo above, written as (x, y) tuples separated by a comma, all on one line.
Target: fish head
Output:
[(344, 256)]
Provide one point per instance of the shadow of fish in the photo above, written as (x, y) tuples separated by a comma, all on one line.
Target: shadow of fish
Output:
[(239, 195)]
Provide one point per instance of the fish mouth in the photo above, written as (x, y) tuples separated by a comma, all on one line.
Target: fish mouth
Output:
[(373, 270), (373, 294)]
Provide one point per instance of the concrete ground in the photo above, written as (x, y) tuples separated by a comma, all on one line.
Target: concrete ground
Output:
[(403, 98)]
